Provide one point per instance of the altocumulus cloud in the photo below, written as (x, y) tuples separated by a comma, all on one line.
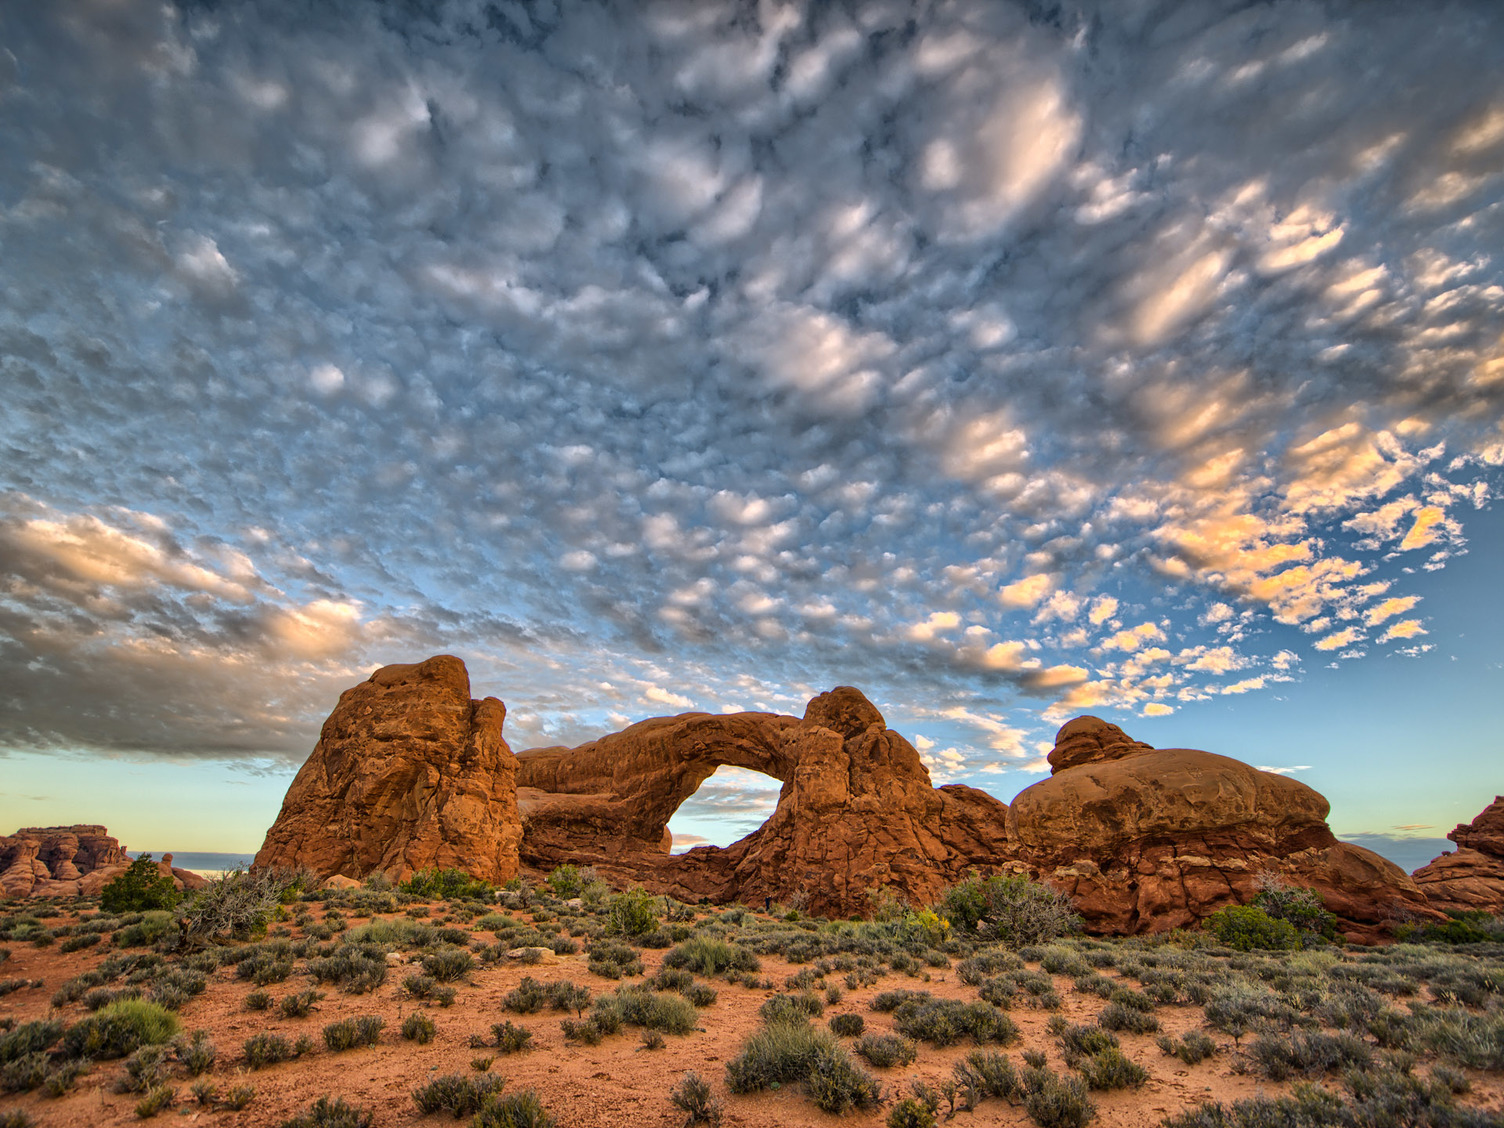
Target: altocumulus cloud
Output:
[(1007, 359)]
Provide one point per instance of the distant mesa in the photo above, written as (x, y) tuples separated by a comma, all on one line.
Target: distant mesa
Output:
[(1471, 878), (410, 772), (69, 861)]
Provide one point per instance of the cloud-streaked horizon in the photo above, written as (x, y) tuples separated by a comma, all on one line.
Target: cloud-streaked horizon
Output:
[(1005, 360)]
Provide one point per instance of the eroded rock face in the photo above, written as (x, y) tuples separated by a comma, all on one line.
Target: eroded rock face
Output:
[(409, 773), (1147, 839), (857, 810), (1471, 878), (68, 861)]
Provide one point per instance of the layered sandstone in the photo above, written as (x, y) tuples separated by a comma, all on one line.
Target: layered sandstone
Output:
[(857, 811), (1147, 839), (68, 861), (409, 773), (1471, 879)]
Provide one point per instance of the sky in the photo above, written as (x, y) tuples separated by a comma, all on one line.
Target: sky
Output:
[(1007, 360)]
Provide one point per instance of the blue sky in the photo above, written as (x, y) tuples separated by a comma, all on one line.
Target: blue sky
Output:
[(1008, 361)]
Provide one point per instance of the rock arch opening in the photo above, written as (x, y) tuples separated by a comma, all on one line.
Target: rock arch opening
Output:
[(730, 804)]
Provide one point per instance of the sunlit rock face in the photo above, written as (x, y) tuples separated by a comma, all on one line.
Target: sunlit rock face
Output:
[(857, 811), (409, 773), (70, 861), (1145, 839), (1472, 877)]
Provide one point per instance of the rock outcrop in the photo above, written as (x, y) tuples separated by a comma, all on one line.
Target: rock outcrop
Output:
[(1472, 877), (68, 861), (1147, 839), (857, 810), (409, 773)]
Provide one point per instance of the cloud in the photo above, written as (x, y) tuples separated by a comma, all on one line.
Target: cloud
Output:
[(711, 357), (1284, 771)]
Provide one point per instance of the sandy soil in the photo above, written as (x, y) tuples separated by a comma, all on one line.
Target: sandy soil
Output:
[(617, 1084)]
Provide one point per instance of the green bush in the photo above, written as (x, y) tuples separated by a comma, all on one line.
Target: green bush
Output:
[(1193, 1047), (885, 1050), (448, 964), (155, 1101), (565, 881), (613, 960), (350, 1033), (693, 1097), (142, 886), (456, 1094), (418, 1027), (1056, 1102), (710, 955), (909, 1113), (1010, 909), (1111, 1069), (836, 1084), (1300, 906), (988, 1074), (29, 1038), (1246, 927), (633, 913), (447, 885), (528, 997), (520, 1110), (511, 1038), (335, 1113), (119, 1029), (783, 1052), (944, 1022)]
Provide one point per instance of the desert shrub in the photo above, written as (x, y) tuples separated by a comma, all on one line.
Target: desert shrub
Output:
[(258, 1001), (910, 1113), (355, 968), (418, 1027), (1111, 1069), (146, 929), (146, 1069), (1473, 1040), (349, 1033), (456, 1094), (447, 885), (142, 886), (693, 1097), (565, 881), (1053, 1101), (332, 1113), (710, 955), (299, 1004), (1078, 1042), (782, 1052), (700, 994), (974, 969), (520, 1110), (1463, 928), (613, 960), (238, 1097), (987, 1074), (1116, 1016), (1300, 906), (264, 1049), (155, 1101), (887, 1001), (782, 1007), (1193, 1047), (265, 967), (78, 943), (885, 1050), (565, 995), (1248, 927), (16, 1118), (528, 997), (641, 1006), (25, 1073), (119, 1029), (448, 964), (633, 913), (943, 1022), (29, 1038), (835, 1084), (847, 1025), (236, 906), (1238, 1009), (1012, 910), (511, 1038), (1278, 1058), (196, 1053)]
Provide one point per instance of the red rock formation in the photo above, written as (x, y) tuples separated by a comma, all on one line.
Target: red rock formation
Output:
[(857, 811), (1148, 839), (66, 861), (409, 773), (1472, 877)]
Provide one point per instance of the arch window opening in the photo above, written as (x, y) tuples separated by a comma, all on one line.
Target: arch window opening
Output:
[(728, 806)]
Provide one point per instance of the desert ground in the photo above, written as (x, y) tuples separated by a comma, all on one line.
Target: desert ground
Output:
[(1421, 1024)]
